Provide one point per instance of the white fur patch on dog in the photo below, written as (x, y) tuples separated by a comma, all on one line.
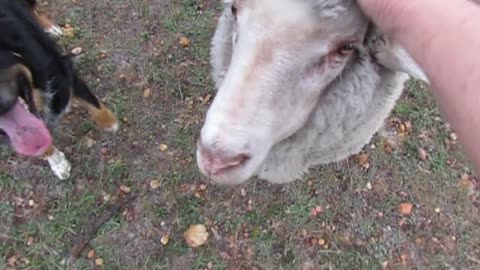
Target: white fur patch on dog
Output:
[(55, 30), (59, 164), (114, 128)]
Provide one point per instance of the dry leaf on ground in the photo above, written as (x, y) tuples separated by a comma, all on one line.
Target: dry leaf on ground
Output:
[(196, 235), (154, 184), (405, 208)]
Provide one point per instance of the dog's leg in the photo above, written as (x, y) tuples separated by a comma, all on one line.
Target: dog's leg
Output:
[(45, 23), (58, 163), (99, 113)]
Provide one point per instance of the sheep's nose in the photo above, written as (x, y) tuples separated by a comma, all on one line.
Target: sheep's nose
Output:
[(216, 161)]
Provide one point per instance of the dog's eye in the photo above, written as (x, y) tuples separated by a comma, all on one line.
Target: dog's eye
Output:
[(346, 49), (234, 10)]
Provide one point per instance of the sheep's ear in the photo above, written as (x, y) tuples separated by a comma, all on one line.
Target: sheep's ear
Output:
[(222, 48), (395, 57), (391, 55)]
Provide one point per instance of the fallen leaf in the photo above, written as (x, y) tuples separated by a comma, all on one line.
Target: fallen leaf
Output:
[(421, 154), (196, 235), (243, 192), (163, 147), (90, 142), (68, 31), (313, 241), (154, 184), (91, 254), (125, 189), (99, 261), (202, 187), (147, 92), (184, 42), (206, 99), (363, 160), (164, 240), (389, 146), (408, 126), (29, 241), (405, 208), (11, 261), (467, 184)]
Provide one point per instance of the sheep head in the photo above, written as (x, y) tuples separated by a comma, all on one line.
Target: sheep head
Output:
[(273, 63)]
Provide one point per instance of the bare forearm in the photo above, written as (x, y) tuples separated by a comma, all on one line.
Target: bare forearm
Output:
[(443, 36)]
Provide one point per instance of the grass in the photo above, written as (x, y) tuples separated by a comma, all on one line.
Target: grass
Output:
[(262, 227)]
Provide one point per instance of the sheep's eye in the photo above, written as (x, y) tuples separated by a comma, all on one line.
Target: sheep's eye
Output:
[(234, 10), (346, 49)]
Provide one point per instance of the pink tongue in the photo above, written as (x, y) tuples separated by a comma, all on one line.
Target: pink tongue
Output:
[(28, 135)]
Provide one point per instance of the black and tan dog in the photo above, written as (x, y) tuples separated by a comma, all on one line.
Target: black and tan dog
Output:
[(37, 85)]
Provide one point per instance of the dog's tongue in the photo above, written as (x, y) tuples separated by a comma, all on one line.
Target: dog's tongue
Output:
[(28, 135)]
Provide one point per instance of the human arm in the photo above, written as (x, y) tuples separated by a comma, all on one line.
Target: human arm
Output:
[(444, 39)]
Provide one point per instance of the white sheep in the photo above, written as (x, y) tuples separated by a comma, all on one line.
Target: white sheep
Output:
[(300, 83)]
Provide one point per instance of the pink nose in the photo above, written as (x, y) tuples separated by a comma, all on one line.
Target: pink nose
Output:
[(218, 161)]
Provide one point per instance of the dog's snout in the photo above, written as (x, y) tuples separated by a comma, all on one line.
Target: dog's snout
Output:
[(217, 161)]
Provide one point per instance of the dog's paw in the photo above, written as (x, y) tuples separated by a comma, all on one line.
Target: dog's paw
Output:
[(55, 31), (113, 128), (59, 164)]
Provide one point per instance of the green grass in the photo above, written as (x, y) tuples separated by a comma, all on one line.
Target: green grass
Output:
[(268, 228)]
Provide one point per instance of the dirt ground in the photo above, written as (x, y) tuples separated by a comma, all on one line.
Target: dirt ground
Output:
[(409, 201)]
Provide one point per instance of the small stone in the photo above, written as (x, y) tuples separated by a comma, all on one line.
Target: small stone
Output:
[(243, 193), (154, 184), (163, 147), (99, 261), (369, 186), (50, 218), (437, 210), (91, 254), (125, 119), (453, 136), (31, 203)]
